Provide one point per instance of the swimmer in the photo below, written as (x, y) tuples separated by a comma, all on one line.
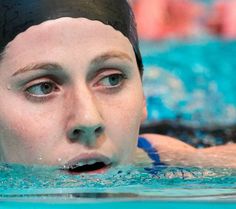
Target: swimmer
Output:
[(71, 90)]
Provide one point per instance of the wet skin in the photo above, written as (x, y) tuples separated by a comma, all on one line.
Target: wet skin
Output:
[(71, 96), (70, 91)]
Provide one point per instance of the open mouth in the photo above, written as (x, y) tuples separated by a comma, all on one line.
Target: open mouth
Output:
[(88, 165), (97, 167)]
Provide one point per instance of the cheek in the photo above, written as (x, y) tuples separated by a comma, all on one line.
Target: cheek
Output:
[(20, 133), (131, 109), (124, 135), (123, 118), (28, 140), (15, 140), (125, 115), (28, 131)]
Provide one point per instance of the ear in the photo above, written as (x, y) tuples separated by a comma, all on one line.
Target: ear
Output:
[(144, 113)]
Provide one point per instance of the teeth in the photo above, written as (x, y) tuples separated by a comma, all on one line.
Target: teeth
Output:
[(107, 161), (81, 164), (91, 162)]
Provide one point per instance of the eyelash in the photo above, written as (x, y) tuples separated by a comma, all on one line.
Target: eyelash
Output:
[(121, 77), (45, 97), (40, 98)]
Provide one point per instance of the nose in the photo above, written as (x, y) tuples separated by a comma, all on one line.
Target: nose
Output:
[(87, 135), (85, 121)]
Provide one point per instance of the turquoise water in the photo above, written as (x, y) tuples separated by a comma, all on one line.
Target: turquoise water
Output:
[(127, 204), (133, 185), (191, 82)]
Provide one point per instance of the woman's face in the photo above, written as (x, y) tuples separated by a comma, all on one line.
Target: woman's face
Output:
[(71, 93)]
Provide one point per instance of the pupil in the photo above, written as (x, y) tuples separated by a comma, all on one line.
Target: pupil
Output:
[(114, 80), (46, 88)]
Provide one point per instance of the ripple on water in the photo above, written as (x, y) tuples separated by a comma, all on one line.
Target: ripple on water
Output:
[(144, 180)]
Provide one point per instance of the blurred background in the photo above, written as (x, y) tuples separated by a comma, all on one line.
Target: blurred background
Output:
[(189, 49)]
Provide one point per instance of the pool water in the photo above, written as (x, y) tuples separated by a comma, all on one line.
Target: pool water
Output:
[(124, 204), (190, 83), (143, 185)]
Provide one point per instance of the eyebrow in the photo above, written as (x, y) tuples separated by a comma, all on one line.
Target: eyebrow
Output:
[(56, 67), (40, 66), (111, 55)]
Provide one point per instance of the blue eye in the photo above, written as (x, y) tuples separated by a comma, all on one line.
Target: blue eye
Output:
[(112, 80), (42, 89)]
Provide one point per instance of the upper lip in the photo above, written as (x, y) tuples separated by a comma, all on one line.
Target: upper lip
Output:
[(87, 159)]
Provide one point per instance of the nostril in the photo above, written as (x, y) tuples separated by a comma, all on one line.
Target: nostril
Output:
[(76, 133), (98, 131), (85, 133)]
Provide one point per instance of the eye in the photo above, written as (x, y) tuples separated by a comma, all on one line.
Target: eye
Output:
[(112, 80), (42, 89)]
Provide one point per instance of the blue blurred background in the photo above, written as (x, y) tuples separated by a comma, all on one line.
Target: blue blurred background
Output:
[(188, 52)]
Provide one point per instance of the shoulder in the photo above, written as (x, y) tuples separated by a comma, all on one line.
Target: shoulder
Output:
[(177, 153), (171, 151), (166, 142)]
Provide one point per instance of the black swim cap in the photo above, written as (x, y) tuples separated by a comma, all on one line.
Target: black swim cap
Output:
[(18, 15)]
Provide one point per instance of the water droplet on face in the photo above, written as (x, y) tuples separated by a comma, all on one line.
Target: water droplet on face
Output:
[(40, 158), (8, 87)]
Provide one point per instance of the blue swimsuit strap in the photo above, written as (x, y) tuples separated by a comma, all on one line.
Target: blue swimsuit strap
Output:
[(144, 144)]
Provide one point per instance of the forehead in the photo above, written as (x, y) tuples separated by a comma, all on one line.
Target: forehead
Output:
[(70, 32)]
